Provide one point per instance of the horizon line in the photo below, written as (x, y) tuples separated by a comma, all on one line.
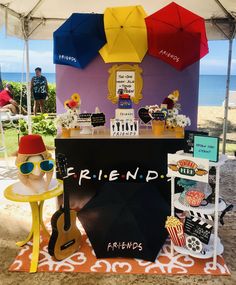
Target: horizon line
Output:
[(55, 73)]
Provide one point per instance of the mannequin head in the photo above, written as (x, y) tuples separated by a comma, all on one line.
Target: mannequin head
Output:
[(34, 163)]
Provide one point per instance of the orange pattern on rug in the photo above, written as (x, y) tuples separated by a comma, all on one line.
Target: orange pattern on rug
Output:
[(86, 261)]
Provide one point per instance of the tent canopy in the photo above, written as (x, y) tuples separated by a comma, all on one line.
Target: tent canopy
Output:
[(38, 19)]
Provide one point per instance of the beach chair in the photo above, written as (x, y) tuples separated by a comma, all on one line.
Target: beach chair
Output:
[(232, 99), (8, 119)]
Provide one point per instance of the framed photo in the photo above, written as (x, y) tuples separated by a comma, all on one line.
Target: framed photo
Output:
[(189, 139), (206, 147)]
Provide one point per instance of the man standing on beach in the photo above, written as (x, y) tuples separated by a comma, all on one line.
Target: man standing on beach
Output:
[(7, 103), (39, 90)]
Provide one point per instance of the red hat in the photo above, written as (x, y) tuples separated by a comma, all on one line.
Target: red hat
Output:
[(31, 144)]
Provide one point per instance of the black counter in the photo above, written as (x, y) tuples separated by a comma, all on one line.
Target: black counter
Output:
[(120, 190)]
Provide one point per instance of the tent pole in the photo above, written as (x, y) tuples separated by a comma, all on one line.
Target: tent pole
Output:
[(227, 96), (28, 87)]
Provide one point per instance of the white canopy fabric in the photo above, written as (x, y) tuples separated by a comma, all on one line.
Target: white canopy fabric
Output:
[(38, 19)]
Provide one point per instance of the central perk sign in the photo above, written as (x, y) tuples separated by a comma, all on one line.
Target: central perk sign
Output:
[(188, 167)]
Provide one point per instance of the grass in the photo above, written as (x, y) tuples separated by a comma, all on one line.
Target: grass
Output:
[(11, 140)]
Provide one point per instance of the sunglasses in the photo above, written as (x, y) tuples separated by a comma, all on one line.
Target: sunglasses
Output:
[(27, 167)]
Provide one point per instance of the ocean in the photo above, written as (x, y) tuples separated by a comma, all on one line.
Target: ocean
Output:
[(17, 76), (211, 87)]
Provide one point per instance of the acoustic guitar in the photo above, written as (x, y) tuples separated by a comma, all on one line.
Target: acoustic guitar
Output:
[(65, 238)]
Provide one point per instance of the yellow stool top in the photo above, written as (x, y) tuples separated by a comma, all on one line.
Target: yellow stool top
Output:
[(10, 194)]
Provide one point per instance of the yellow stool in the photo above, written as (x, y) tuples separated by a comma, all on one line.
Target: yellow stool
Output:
[(36, 204)]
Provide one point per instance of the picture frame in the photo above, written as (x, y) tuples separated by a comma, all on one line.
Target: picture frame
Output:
[(125, 76), (206, 147)]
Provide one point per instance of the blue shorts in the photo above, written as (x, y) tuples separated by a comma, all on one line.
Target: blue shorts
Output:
[(40, 96)]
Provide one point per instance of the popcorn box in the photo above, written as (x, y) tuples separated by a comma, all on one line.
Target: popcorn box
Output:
[(175, 229)]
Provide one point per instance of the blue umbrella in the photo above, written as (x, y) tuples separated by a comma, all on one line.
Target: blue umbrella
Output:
[(78, 40)]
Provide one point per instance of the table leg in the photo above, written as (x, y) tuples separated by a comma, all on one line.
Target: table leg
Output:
[(23, 242), (41, 219), (36, 236)]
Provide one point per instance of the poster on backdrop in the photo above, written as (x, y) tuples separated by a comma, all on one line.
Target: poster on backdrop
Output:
[(125, 80)]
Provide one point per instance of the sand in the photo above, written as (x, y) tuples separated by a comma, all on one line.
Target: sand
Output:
[(211, 119)]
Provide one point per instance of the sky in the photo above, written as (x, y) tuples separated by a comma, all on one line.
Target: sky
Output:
[(41, 54)]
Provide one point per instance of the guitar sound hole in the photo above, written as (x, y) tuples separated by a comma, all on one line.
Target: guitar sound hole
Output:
[(68, 244)]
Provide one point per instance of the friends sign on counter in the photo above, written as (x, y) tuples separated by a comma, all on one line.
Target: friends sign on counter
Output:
[(135, 175), (124, 127)]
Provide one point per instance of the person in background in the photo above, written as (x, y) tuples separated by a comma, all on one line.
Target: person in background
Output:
[(7, 102), (39, 90)]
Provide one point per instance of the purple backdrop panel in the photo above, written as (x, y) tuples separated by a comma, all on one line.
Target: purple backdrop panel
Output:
[(159, 79)]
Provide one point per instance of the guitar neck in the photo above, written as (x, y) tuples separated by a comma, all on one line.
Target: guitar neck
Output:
[(66, 202), (62, 170)]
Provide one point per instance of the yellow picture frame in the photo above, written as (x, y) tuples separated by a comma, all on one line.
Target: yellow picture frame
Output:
[(135, 72)]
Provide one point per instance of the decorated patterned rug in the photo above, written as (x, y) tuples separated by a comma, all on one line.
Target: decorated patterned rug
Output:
[(86, 261)]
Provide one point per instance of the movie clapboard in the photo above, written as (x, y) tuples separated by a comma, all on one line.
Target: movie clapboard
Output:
[(198, 228)]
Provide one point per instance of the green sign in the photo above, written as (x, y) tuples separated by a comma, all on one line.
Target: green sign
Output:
[(187, 171), (206, 147)]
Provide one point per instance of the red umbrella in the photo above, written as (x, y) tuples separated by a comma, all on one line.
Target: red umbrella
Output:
[(176, 36)]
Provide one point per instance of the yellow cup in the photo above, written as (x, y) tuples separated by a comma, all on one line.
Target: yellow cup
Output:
[(179, 132), (65, 133), (158, 127)]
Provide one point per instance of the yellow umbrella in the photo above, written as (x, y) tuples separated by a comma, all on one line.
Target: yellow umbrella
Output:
[(126, 34)]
